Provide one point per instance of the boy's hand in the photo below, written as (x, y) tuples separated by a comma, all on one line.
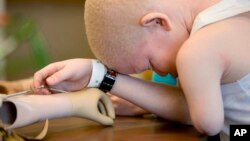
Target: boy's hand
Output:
[(68, 75)]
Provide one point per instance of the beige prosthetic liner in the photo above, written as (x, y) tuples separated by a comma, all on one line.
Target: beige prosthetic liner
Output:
[(92, 104)]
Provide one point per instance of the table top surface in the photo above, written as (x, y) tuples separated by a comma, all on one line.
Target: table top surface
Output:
[(124, 129)]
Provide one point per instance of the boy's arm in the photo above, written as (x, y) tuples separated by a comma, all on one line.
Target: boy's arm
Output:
[(200, 70), (163, 100), (126, 108)]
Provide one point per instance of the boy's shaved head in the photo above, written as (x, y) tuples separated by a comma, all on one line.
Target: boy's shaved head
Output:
[(112, 26)]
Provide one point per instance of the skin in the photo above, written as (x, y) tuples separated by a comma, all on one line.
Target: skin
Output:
[(169, 49), (121, 107)]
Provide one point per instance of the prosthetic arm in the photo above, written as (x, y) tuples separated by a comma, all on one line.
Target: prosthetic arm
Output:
[(22, 110)]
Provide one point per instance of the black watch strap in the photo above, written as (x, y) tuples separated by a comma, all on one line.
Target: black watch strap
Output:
[(108, 81)]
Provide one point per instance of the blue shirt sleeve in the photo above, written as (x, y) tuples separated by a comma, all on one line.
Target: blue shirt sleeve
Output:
[(167, 79)]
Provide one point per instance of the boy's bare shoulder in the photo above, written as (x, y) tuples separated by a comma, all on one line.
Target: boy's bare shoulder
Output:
[(204, 45), (221, 35), (218, 42)]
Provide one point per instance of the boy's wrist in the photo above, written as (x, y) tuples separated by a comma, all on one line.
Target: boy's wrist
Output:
[(108, 81), (98, 72), (101, 77)]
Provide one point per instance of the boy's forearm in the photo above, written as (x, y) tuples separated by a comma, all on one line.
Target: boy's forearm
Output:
[(165, 101)]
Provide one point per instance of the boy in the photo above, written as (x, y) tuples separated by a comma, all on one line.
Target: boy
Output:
[(203, 43)]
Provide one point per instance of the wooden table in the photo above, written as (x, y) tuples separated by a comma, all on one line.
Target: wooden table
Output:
[(124, 129)]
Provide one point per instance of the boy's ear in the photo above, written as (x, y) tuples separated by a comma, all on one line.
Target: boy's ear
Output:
[(156, 18)]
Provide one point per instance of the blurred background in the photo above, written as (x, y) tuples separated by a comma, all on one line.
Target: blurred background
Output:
[(34, 33)]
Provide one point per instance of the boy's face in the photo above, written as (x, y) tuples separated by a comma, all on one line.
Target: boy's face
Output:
[(136, 62), (162, 55), (156, 53)]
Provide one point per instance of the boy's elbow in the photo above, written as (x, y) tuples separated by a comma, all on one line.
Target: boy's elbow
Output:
[(210, 126)]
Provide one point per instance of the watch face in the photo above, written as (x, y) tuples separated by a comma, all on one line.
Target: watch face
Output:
[(108, 81)]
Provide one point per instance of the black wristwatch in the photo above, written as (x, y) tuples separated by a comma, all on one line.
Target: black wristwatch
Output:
[(108, 81)]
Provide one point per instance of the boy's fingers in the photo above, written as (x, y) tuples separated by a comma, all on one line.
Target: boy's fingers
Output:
[(43, 74), (59, 76)]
